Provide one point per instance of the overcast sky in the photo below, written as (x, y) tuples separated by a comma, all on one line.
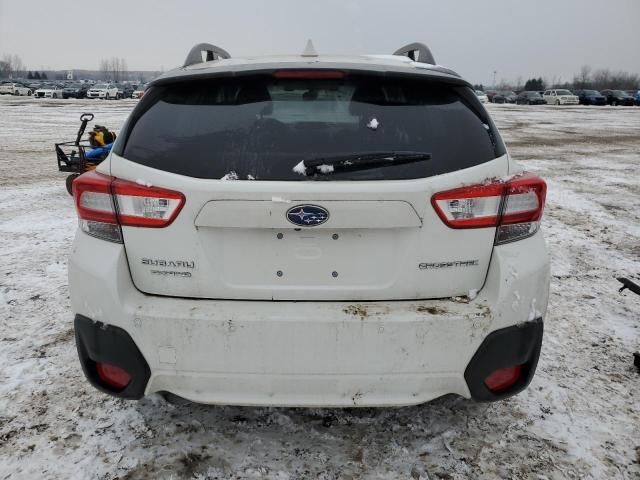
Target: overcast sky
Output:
[(549, 38)]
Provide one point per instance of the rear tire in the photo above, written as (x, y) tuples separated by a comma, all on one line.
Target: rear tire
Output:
[(69, 182), (557, 102)]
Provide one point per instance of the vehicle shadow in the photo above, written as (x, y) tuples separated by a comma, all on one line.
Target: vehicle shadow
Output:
[(203, 440)]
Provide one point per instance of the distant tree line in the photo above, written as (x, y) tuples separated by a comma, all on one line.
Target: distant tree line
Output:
[(37, 76), (605, 78), (586, 78)]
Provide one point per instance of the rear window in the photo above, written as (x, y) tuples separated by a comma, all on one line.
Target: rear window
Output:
[(260, 127)]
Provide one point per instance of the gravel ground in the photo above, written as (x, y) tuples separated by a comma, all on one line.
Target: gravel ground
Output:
[(580, 418)]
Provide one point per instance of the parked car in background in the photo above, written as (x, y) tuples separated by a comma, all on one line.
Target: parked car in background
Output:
[(104, 91), (482, 96), (635, 94), (509, 96), (14, 89), (125, 90), (76, 90), (359, 250), (498, 97), (560, 97), (591, 97), (48, 91), (490, 94), (530, 98), (139, 91), (618, 97)]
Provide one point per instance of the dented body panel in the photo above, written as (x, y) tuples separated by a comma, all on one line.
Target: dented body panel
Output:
[(308, 353)]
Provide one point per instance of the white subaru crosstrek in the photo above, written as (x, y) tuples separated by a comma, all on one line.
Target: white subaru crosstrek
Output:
[(309, 231)]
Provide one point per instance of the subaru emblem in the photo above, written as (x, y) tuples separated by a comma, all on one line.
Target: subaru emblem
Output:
[(307, 215)]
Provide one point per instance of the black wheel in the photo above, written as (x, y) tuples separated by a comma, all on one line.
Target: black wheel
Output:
[(69, 182), (614, 103)]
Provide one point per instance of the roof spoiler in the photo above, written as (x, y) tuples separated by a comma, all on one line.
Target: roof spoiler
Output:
[(418, 52), (211, 52)]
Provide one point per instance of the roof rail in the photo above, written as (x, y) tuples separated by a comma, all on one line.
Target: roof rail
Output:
[(418, 52), (212, 53)]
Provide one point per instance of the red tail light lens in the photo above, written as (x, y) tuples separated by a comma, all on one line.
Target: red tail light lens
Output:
[(112, 376), (503, 378), (105, 203), (514, 206)]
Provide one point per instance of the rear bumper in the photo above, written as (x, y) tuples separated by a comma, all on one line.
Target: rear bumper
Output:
[(312, 353)]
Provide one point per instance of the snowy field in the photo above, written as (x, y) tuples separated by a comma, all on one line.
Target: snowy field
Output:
[(580, 418)]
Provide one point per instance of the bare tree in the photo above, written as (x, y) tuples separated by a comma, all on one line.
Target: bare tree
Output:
[(5, 68), (583, 78), (602, 79), (17, 65), (11, 66), (104, 68), (519, 83), (114, 68)]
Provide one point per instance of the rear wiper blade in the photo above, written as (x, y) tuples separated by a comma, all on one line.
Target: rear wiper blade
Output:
[(357, 161)]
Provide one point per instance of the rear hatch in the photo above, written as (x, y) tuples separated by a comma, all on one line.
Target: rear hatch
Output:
[(253, 226)]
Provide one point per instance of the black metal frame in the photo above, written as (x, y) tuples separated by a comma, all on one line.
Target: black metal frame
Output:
[(70, 159)]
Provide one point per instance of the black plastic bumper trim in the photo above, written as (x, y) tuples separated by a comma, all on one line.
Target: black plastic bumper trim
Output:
[(507, 347), (97, 342)]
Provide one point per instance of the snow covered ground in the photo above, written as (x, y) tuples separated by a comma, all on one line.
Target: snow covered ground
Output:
[(580, 418)]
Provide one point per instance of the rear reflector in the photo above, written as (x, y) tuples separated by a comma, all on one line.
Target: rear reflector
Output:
[(514, 206), (112, 376), (309, 74), (503, 378), (105, 203)]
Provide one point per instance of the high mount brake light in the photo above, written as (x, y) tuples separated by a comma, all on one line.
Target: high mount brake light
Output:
[(310, 74), (105, 203), (515, 207)]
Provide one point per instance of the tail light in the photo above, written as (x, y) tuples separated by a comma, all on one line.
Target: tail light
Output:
[(515, 207), (105, 203)]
